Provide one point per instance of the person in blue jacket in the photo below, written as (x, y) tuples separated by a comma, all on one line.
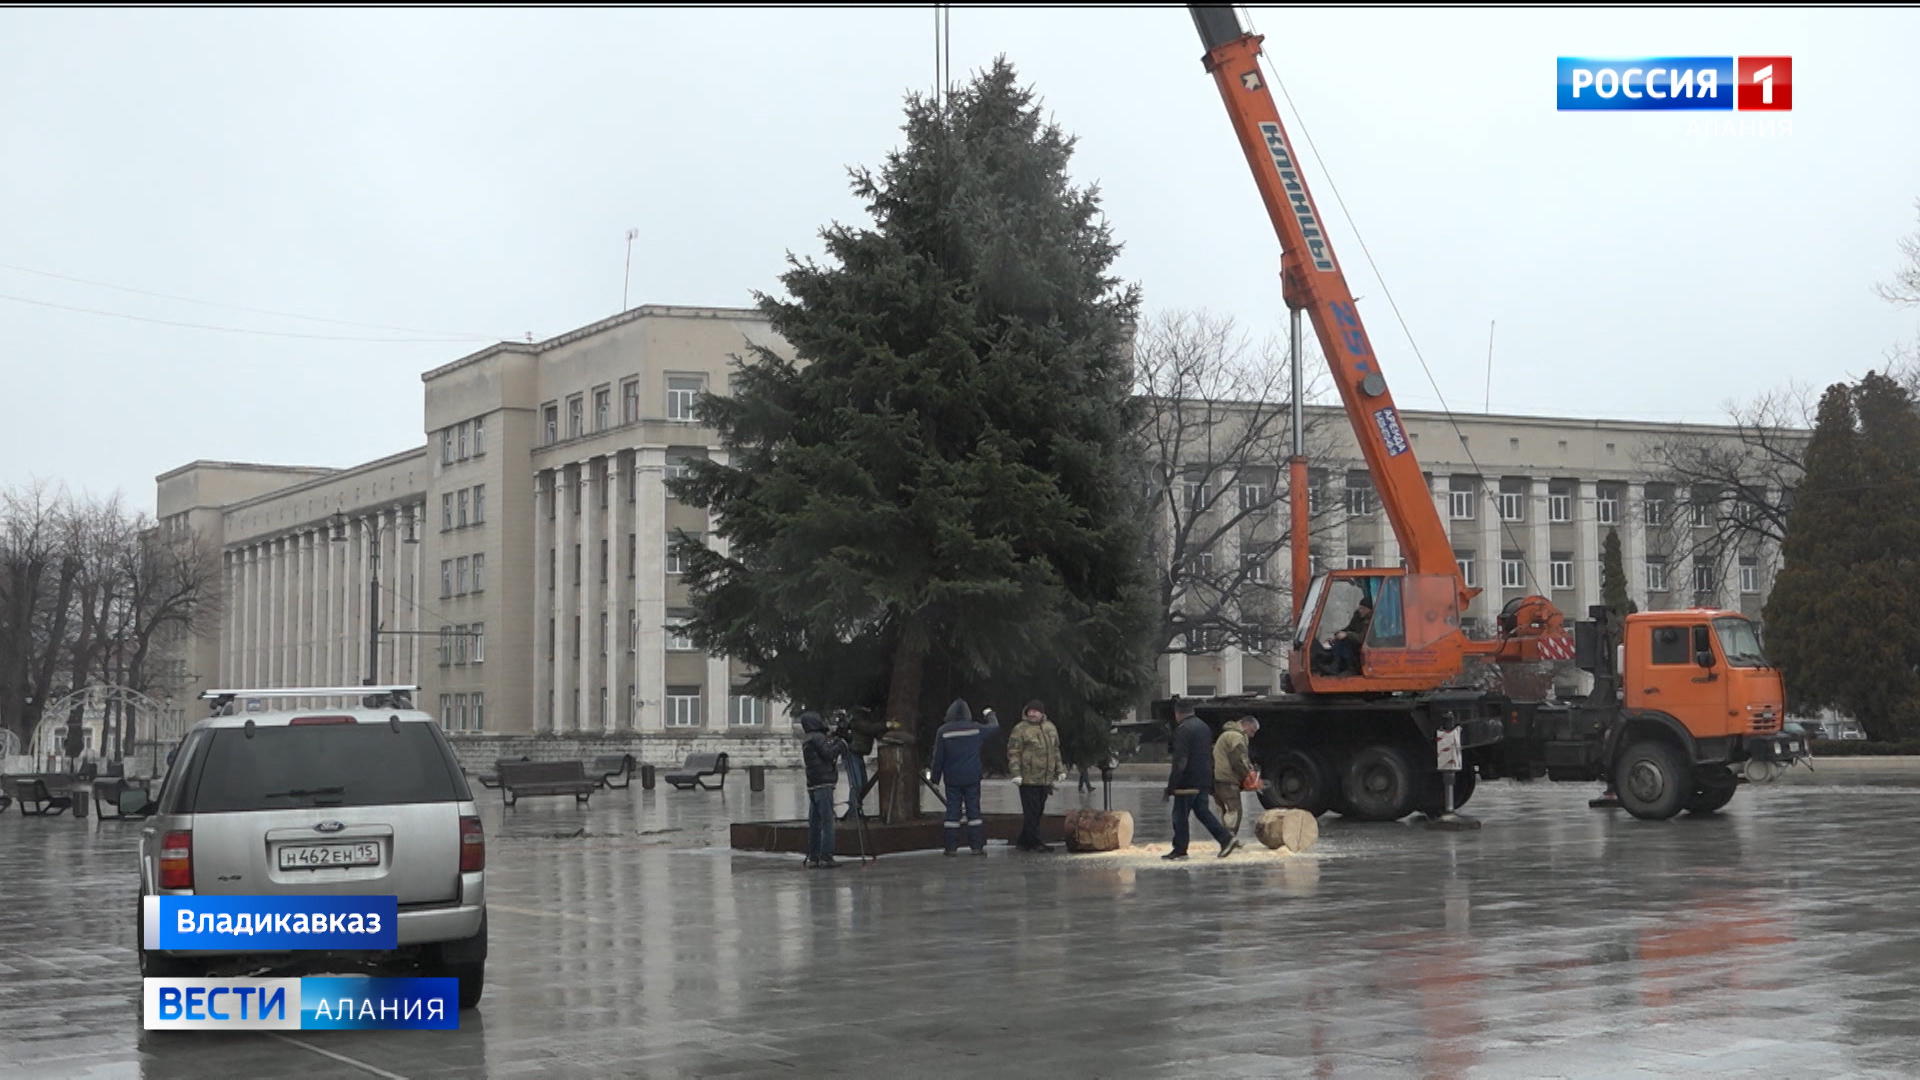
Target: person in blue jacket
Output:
[(956, 760), (1190, 784)]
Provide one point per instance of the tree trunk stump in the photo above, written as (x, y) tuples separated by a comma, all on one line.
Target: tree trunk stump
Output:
[(1099, 830), (1295, 830)]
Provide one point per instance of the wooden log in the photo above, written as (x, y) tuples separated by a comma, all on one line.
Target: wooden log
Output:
[(1099, 830), (1295, 830)]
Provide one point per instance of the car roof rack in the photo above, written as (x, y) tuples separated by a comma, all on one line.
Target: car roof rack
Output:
[(374, 696)]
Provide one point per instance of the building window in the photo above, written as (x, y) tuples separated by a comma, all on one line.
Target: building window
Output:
[(633, 704), (576, 641), (478, 648), (744, 711), (550, 423), (603, 408), (630, 401), (1200, 565), (576, 416), (1359, 560), (633, 630), (460, 644), (576, 564), (677, 468), (446, 447), (683, 706), (460, 504), (446, 512), (682, 392), (678, 639), (1512, 572), (1513, 506), (1253, 496), (1561, 570), (446, 645), (1316, 491), (446, 711), (1656, 574), (553, 569), (633, 553), (603, 633), (479, 447), (479, 573), (462, 574), (446, 578), (1702, 577), (1254, 640), (480, 504), (1196, 492), (477, 713), (1656, 511), (466, 442), (1469, 568), (1361, 500), (1460, 505), (603, 560), (1702, 514), (1559, 507), (1256, 566), (1606, 510), (1749, 574), (552, 644)]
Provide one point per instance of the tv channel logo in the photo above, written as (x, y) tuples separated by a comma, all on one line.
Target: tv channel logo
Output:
[(1748, 83), (315, 1003)]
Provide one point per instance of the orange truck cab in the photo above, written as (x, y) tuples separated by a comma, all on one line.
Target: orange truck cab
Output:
[(1705, 669)]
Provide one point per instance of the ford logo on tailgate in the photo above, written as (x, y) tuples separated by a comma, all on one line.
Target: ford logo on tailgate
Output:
[(330, 826)]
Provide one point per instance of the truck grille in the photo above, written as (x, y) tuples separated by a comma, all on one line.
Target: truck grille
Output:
[(1766, 725)]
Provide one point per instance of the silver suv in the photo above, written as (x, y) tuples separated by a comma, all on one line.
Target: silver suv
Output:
[(363, 800)]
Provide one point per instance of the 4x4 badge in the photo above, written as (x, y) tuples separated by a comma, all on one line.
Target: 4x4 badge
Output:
[(330, 826)]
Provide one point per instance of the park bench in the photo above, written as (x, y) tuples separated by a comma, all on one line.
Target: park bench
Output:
[(106, 796), (695, 771), (611, 767), (533, 778), (492, 779), (47, 793)]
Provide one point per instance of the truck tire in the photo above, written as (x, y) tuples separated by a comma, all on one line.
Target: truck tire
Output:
[(1298, 779), (1654, 779), (1381, 784), (1713, 788)]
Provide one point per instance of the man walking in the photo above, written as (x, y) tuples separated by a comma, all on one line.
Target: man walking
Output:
[(1033, 752), (956, 760), (1190, 784), (820, 753), (1232, 765)]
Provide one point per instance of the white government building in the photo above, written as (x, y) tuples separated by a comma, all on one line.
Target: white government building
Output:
[(518, 561)]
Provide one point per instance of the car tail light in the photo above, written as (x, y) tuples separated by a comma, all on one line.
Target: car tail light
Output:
[(302, 721), (176, 860), (473, 845)]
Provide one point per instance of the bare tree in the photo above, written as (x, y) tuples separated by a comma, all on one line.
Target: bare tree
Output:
[(1214, 438), (1904, 289)]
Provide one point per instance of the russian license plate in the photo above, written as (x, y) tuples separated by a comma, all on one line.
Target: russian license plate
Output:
[(321, 856)]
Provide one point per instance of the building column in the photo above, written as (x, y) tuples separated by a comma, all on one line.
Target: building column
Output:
[(566, 488), (302, 587), (329, 623), (544, 487), (255, 676), (1231, 659), (346, 598), (1634, 550), (417, 594), (650, 586), (364, 624), (590, 532), (230, 624), (1493, 547), (1586, 509), (619, 521), (1540, 553), (1386, 546), (275, 638)]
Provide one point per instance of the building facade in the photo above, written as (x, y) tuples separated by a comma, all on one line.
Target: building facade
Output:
[(517, 566)]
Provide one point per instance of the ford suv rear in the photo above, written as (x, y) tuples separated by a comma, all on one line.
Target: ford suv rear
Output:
[(367, 801)]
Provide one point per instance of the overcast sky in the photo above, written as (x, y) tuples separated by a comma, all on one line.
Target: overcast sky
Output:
[(473, 174)]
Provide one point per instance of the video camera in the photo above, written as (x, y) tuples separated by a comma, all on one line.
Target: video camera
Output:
[(840, 725)]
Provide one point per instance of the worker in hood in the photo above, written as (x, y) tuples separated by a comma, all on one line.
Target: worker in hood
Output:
[(956, 761)]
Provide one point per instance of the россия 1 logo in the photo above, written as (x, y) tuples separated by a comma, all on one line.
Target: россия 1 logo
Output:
[(1749, 83)]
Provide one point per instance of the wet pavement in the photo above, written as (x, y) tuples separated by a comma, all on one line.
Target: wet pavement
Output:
[(1777, 938)]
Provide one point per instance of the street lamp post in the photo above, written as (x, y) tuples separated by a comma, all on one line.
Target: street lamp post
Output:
[(374, 531)]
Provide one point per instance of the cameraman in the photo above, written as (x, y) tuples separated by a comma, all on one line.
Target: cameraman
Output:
[(820, 753), (858, 733)]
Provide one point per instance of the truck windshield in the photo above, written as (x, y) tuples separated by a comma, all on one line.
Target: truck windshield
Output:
[(1740, 642)]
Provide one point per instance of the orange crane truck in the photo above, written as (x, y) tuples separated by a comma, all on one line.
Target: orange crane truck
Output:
[(1676, 709)]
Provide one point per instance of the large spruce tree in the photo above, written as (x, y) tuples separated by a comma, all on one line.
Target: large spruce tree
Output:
[(924, 490), (1840, 619)]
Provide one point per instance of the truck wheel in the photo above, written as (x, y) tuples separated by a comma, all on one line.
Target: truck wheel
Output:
[(1298, 779), (1713, 788), (1653, 779), (1381, 784)]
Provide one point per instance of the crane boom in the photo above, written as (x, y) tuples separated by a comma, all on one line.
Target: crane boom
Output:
[(1313, 281)]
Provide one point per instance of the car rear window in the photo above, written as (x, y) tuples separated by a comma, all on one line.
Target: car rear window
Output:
[(280, 768)]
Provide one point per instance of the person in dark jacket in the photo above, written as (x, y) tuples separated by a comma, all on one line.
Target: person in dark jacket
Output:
[(956, 760), (1190, 784), (821, 754), (1346, 643), (863, 728)]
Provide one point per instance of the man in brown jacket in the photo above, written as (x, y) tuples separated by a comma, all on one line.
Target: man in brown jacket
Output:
[(1033, 752), (1232, 764)]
